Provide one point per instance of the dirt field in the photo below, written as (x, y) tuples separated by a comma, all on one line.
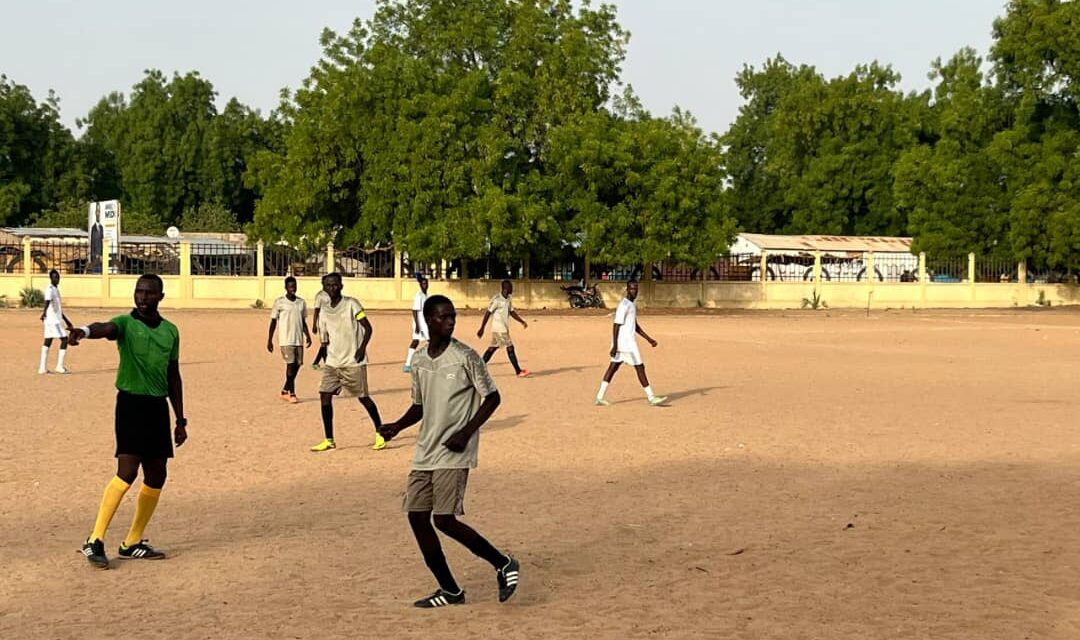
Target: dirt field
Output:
[(816, 475)]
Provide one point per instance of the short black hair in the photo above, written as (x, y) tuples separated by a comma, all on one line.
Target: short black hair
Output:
[(434, 301), (332, 274), (632, 281), (290, 280), (507, 281), (52, 271), (153, 277)]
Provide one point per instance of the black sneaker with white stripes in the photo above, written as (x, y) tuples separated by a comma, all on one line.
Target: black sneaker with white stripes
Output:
[(508, 579), (94, 550), (441, 599), (142, 551)]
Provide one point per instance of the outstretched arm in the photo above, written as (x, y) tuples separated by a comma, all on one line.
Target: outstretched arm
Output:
[(95, 331), (176, 398), (361, 353), (641, 332), (270, 335), (483, 323), (413, 415), (460, 440)]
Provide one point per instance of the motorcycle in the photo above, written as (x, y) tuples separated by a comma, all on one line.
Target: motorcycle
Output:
[(583, 297)]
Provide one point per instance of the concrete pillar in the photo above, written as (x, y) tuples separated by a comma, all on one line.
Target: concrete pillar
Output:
[(397, 275), (260, 269), (922, 278), (28, 263), (817, 270), (330, 267), (1021, 283), (971, 274), (186, 289), (106, 267)]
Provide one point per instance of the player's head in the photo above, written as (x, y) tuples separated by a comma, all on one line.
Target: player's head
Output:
[(54, 277), (149, 291), (332, 285), (323, 280), (507, 288), (631, 290), (440, 316), (421, 279), (290, 286)]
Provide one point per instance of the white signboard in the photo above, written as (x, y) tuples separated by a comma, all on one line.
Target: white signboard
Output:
[(103, 223)]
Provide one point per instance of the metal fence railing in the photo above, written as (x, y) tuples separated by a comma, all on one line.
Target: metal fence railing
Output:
[(358, 262), (137, 258), (896, 267), (995, 270), (282, 260), (66, 256), (223, 259), (947, 269), (11, 256)]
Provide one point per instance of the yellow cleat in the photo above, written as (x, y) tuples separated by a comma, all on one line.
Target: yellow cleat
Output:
[(380, 442), (600, 402), (325, 445)]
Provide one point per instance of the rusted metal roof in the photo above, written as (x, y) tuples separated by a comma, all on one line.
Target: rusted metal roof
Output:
[(876, 244)]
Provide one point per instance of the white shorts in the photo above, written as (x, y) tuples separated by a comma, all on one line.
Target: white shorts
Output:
[(55, 330), (631, 357)]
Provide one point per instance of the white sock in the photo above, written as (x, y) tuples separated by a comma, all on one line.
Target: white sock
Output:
[(649, 392), (60, 359), (603, 390), (408, 359), (44, 358)]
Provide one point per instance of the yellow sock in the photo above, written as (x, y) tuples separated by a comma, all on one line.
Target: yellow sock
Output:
[(144, 508), (114, 493)]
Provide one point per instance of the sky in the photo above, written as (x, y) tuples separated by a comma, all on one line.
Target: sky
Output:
[(682, 53)]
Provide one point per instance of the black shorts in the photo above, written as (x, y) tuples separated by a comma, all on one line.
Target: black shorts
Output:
[(143, 426)]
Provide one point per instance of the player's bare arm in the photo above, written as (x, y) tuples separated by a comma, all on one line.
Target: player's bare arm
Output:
[(307, 334), (270, 336), (483, 323), (641, 332), (361, 353), (515, 316), (97, 331), (176, 398), (412, 416), (615, 338), (460, 440)]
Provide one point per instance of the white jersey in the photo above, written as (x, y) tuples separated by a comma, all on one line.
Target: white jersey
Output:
[(54, 313), (291, 315), (419, 325), (626, 317)]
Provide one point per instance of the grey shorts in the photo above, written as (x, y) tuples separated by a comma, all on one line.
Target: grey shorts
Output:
[(441, 491), (352, 380), (501, 340), (293, 355)]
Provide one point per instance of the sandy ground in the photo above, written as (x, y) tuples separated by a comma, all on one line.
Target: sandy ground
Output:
[(816, 475)]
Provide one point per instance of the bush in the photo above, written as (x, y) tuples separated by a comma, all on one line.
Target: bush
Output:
[(30, 297)]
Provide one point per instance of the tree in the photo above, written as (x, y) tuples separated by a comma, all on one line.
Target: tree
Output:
[(950, 187), (36, 153), (641, 189), (427, 126)]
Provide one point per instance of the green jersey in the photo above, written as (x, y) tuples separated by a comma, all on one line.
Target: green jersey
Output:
[(145, 354)]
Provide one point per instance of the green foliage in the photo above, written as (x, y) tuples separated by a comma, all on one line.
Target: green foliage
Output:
[(209, 217), (30, 297), (814, 302), (428, 127)]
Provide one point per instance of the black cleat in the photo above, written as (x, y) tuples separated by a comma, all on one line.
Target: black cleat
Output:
[(94, 550), (141, 551), (508, 579), (441, 599)]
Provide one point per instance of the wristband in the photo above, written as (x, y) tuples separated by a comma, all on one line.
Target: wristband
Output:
[(85, 331)]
